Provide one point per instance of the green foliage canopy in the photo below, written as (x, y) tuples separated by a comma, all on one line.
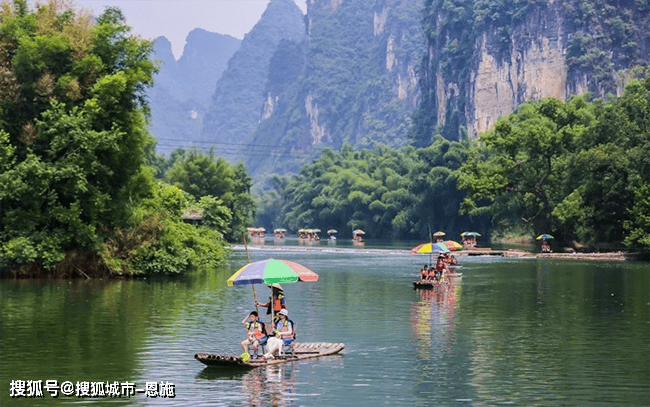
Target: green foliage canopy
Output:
[(204, 175), (577, 169), (72, 118), (77, 196), (386, 192)]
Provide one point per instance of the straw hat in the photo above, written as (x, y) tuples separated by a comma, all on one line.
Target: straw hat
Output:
[(276, 285)]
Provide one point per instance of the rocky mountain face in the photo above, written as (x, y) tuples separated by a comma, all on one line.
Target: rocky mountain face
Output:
[(353, 80), (183, 89), (239, 96), (393, 72), (484, 58)]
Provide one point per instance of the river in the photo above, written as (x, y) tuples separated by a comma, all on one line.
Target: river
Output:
[(511, 331)]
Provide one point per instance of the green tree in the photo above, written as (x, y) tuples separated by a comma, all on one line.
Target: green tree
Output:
[(610, 170), (72, 115), (524, 155), (177, 246), (386, 192), (579, 170), (203, 175)]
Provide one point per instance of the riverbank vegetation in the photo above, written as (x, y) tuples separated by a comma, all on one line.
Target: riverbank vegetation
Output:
[(579, 170), (79, 193)]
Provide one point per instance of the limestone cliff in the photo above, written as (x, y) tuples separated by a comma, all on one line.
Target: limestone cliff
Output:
[(530, 50), (239, 95), (357, 84), (182, 89)]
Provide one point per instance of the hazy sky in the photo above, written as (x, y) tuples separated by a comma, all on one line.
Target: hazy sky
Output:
[(174, 19)]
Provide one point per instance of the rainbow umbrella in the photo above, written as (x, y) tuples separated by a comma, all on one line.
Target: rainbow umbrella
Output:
[(271, 271), (430, 248), (544, 237), (451, 245), (332, 231), (439, 233)]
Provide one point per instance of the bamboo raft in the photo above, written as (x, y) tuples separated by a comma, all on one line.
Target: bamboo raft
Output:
[(431, 284), (301, 351)]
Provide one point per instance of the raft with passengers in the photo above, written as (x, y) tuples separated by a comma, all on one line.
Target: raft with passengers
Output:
[(446, 266), (275, 342), (440, 274)]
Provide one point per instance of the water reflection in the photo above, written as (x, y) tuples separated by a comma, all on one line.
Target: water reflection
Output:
[(432, 318), (308, 242), (528, 332), (220, 373), (264, 386)]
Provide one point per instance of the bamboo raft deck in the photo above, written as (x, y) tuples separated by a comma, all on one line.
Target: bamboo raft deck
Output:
[(301, 351)]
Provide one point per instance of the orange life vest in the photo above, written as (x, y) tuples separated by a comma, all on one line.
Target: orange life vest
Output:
[(285, 328), (277, 304), (257, 330)]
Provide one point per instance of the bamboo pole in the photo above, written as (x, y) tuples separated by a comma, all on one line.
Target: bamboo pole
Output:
[(248, 257)]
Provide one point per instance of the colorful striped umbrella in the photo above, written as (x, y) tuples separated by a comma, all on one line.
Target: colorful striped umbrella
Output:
[(430, 248), (439, 233), (544, 237), (451, 245), (271, 271)]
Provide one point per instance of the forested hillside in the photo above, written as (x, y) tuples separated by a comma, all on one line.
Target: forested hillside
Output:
[(353, 81), (236, 106), (578, 170)]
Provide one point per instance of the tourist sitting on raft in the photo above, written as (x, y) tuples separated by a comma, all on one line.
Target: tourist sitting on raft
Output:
[(425, 274), (546, 248), (284, 334), (255, 333), (441, 269)]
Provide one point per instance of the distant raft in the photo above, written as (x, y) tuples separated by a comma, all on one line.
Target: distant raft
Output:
[(430, 284), (301, 351)]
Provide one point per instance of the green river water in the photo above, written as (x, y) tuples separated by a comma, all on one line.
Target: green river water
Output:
[(524, 332)]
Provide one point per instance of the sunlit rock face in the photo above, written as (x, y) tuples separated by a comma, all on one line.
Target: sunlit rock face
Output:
[(554, 49)]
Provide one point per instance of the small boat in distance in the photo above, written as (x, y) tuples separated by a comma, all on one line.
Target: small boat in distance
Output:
[(428, 284)]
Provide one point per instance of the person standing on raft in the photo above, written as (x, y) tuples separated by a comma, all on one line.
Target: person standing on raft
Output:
[(277, 300)]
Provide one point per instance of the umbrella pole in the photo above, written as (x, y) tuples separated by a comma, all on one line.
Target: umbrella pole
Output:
[(255, 298), (249, 260), (430, 252)]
